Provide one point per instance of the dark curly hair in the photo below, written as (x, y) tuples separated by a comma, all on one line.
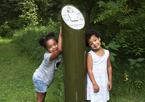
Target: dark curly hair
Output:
[(89, 33), (43, 41)]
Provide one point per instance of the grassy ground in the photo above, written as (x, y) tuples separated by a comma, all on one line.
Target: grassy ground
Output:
[(16, 80), (15, 75), (16, 72)]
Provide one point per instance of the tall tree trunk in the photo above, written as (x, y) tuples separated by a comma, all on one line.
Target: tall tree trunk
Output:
[(88, 10)]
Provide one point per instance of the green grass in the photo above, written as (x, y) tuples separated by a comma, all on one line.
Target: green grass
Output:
[(126, 94), (15, 75), (16, 72)]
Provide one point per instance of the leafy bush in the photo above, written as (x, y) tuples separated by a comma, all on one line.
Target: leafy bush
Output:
[(27, 40), (5, 30), (124, 24), (29, 12), (135, 75)]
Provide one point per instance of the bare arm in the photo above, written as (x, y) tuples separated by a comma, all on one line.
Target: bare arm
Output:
[(109, 69), (90, 73), (59, 50)]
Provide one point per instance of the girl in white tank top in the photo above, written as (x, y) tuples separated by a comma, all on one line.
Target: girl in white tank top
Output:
[(99, 76)]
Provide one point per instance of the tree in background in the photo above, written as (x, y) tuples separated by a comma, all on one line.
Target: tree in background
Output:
[(9, 13), (124, 22), (29, 12), (48, 9), (15, 14)]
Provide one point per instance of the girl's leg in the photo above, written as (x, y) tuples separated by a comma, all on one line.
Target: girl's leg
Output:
[(41, 97), (40, 88)]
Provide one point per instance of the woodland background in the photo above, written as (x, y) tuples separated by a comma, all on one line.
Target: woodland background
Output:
[(121, 24)]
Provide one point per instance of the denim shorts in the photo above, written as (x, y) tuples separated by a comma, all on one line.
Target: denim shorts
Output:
[(40, 86)]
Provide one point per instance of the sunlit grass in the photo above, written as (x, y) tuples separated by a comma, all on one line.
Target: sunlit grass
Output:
[(5, 40)]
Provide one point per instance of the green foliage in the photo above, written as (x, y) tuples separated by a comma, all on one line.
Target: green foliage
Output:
[(126, 75), (124, 83), (27, 39), (111, 8), (29, 12), (5, 30), (15, 14), (134, 62), (111, 46), (8, 10), (135, 66), (48, 9), (138, 83), (124, 23)]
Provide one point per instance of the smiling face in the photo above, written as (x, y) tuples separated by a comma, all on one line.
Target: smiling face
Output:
[(94, 43), (51, 45)]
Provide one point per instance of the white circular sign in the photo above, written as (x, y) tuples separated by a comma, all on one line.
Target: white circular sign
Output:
[(72, 17)]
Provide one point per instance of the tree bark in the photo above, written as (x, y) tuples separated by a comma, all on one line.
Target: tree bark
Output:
[(88, 10)]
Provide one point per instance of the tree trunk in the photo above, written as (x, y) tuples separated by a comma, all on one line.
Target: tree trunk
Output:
[(88, 9)]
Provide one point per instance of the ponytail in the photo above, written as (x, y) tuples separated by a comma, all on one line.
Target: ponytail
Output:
[(41, 41), (49, 36)]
